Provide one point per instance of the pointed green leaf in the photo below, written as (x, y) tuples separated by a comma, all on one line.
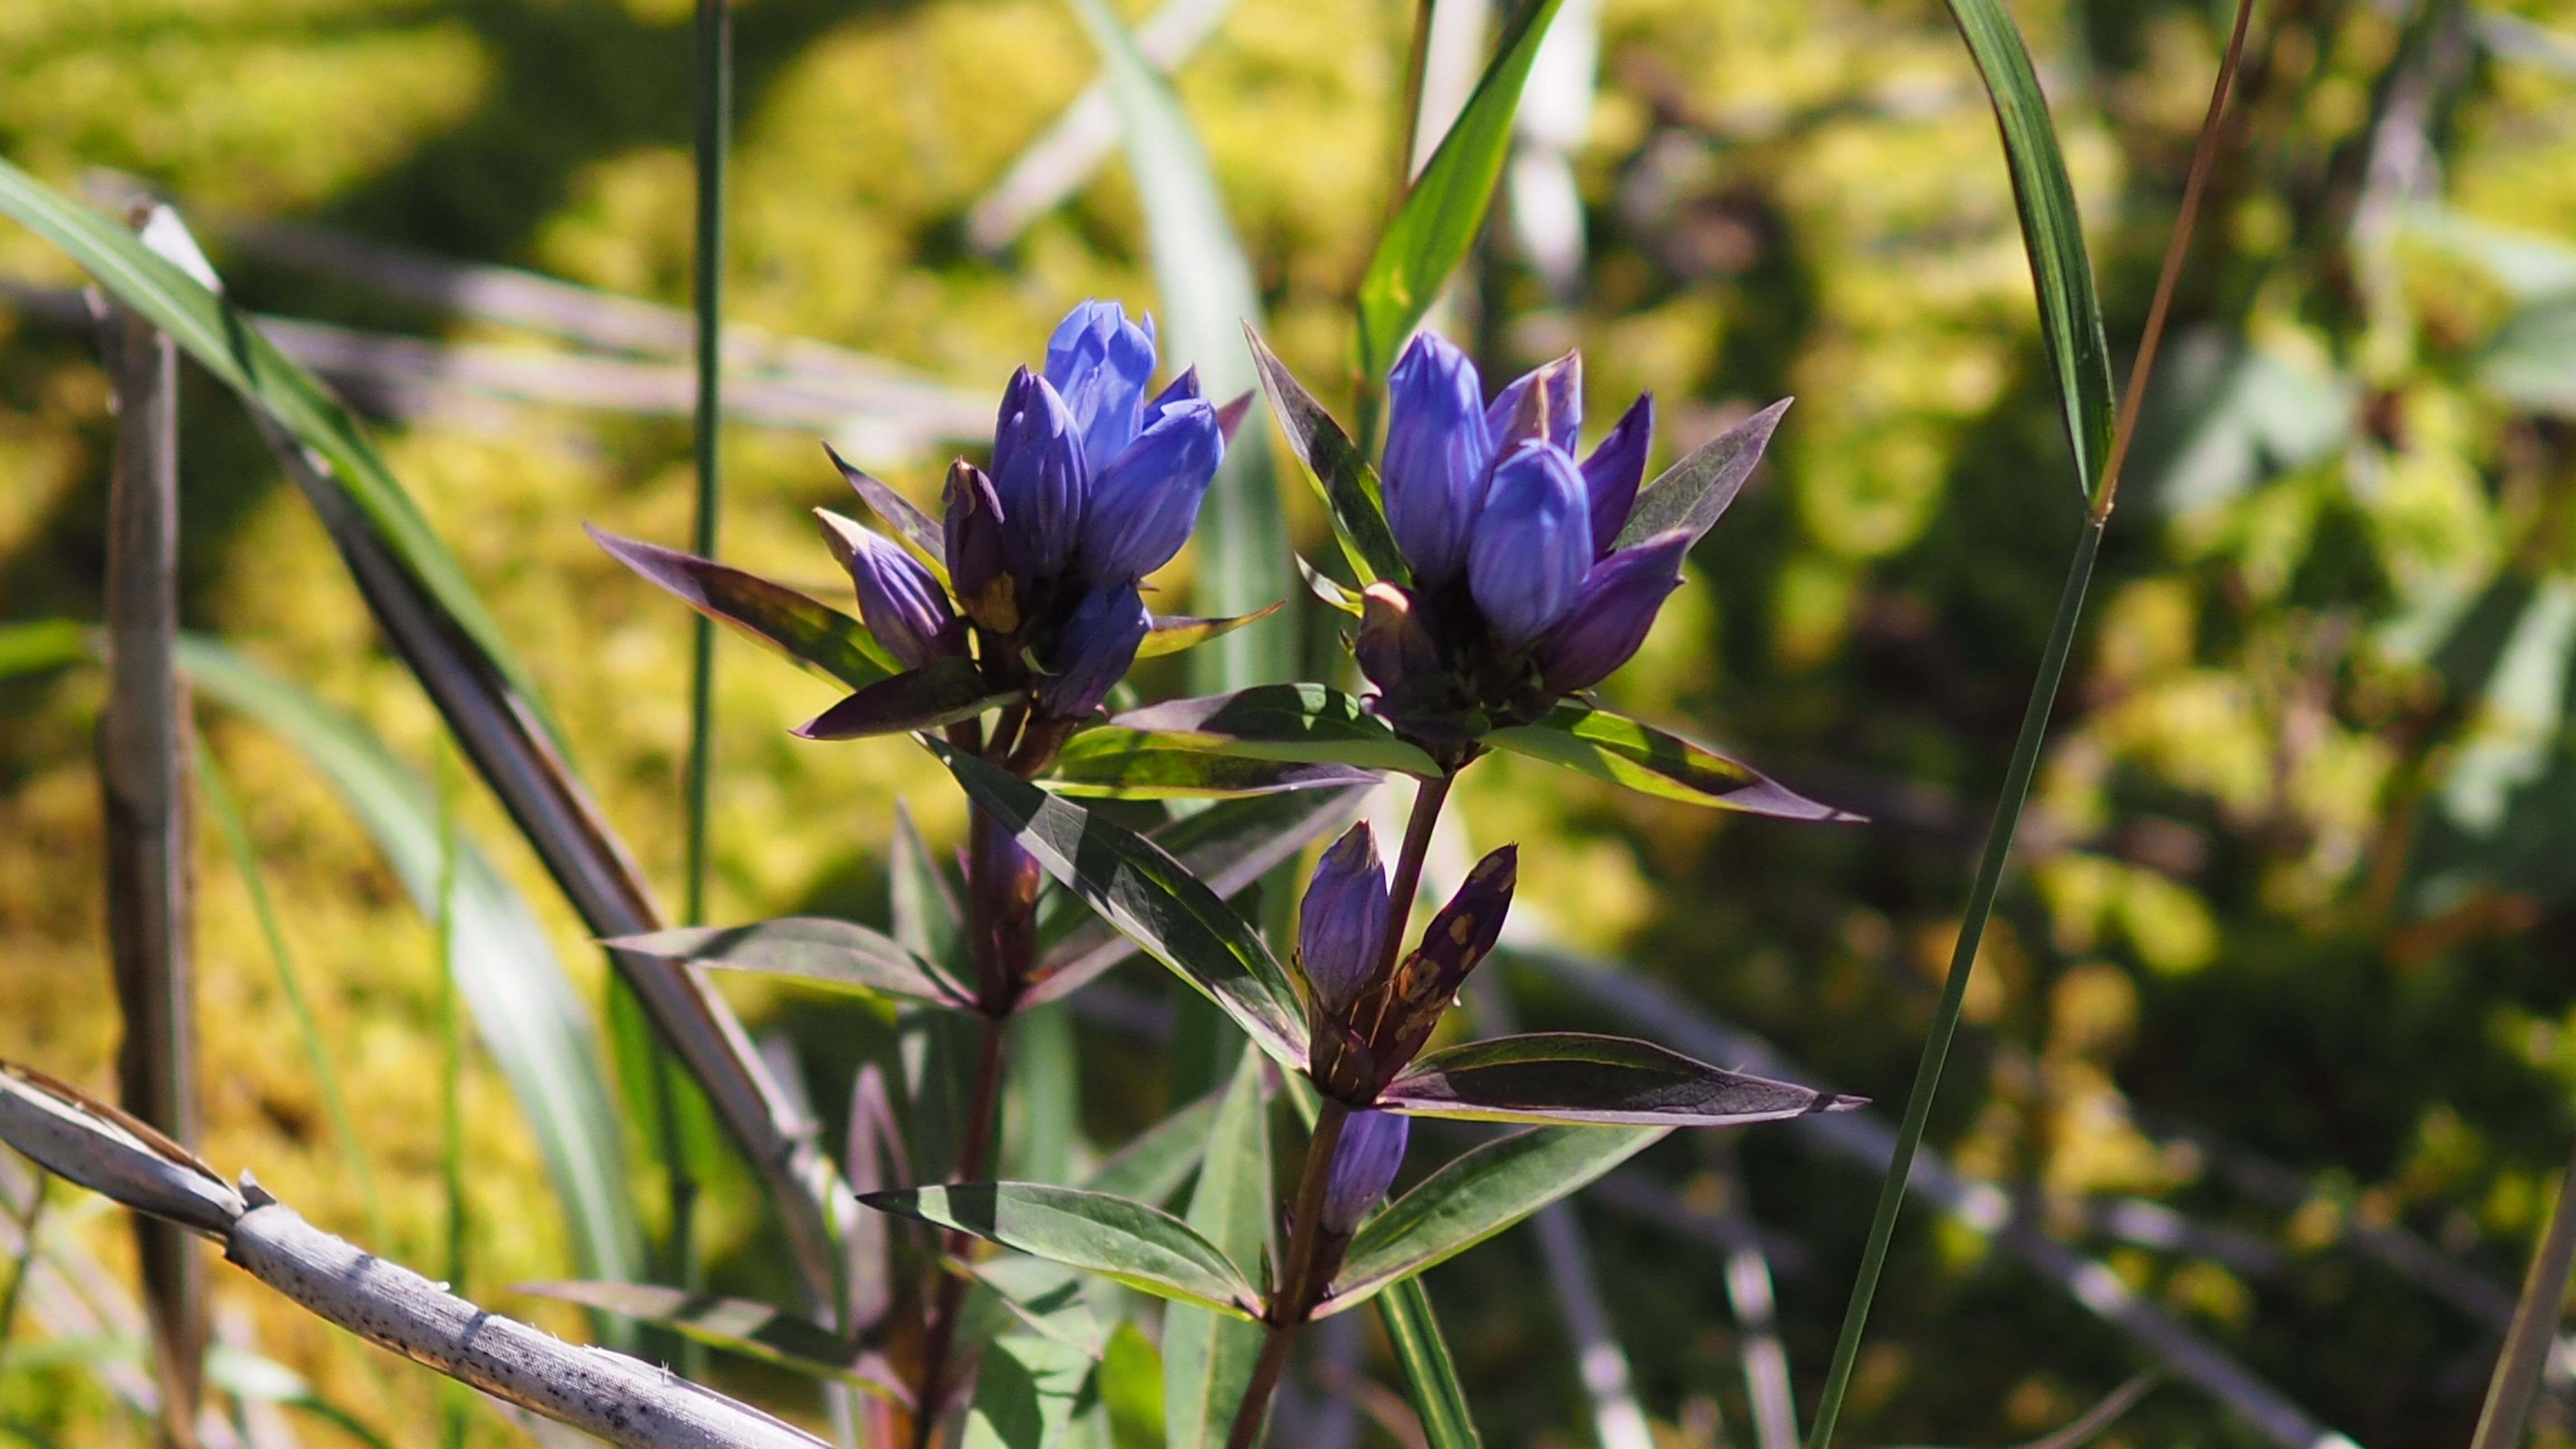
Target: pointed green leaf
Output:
[(1172, 633), (1120, 1239), (1438, 221), (1475, 1197), (1336, 466), (1576, 1077), (1131, 1388), (1330, 591), (927, 920), (1028, 1393), (754, 1330), (1207, 1360), (1304, 722), (1650, 761), (941, 692), (1048, 1298), (821, 638), (1111, 763), (2070, 312), (838, 954), (1146, 894), (1430, 1376), (1695, 492)]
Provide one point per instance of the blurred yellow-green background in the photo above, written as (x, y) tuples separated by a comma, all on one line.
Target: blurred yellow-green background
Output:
[(2296, 888)]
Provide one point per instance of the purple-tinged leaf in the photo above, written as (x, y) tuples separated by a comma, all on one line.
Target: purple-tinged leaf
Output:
[(912, 528), (813, 634), (942, 693), (1584, 1080), (1692, 493), (1653, 762), (1339, 471), (837, 954)]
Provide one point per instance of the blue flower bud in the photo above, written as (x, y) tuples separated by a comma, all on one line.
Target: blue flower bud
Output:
[(904, 607), (1615, 468), (1437, 457), (1612, 613), (988, 560), (1093, 652), (1038, 471), (1532, 545), (1099, 363), (1545, 402), (1341, 926), (1365, 1162), (1143, 504)]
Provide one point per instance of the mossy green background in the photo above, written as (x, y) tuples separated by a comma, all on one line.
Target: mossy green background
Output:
[(2226, 923)]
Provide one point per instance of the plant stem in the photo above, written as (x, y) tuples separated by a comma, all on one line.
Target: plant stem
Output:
[(2535, 1326), (712, 92), (2017, 776), (1298, 1291)]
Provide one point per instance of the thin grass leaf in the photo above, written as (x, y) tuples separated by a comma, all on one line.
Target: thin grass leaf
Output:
[(2527, 1344), (711, 136), (1208, 295), (532, 1021), (1430, 1375), (1208, 1358), (1437, 223), (218, 795)]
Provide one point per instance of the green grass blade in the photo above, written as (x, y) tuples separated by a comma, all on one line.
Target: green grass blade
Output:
[(1207, 1359), (223, 342), (2070, 311), (1208, 295), (218, 794), (531, 1021), (712, 104), (1431, 231), (1430, 1376), (2534, 1332), (1954, 988)]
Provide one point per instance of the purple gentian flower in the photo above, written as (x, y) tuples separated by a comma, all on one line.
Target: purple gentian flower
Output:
[(1437, 457), (903, 606), (1611, 613), (1341, 926), (1532, 545), (1098, 643), (1364, 1166)]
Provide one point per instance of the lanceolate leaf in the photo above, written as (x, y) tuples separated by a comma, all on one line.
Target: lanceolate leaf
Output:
[(821, 638), (1122, 764), (1429, 1375), (940, 692), (1143, 1247), (1339, 470), (1281, 722), (2070, 313), (1029, 1392), (225, 344), (1574, 1077), (1172, 633), (1229, 846), (1645, 759), (915, 530), (755, 1330), (830, 953), (1440, 216), (1048, 1298), (1695, 492), (1148, 895), (529, 1016), (1207, 1360), (1477, 1196)]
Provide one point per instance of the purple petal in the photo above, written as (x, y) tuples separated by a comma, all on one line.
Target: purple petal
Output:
[(1341, 926), (1099, 363), (1365, 1162), (903, 605), (1616, 466), (1436, 457), (1093, 652), (988, 560), (1039, 472), (1144, 504), (1533, 543), (1612, 613), (1545, 402)]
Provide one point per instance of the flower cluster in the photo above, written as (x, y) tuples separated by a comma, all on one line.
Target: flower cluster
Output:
[(1517, 597), (1093, 486)]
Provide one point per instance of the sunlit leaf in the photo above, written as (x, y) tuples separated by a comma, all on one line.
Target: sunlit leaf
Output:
[(1123, 764), (1127, 1241), (1574, 1077), (1029, 1391), (1652, 762), (821, 638), (1430, 1376), (1695, 492), (940, 692), (1336, 466), (838, 954), (1172, 633), (1306, 722)]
